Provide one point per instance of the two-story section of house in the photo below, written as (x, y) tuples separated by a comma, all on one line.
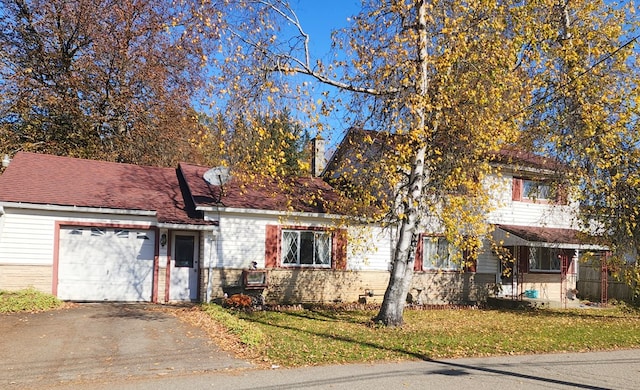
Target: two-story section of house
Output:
[(534, 246)]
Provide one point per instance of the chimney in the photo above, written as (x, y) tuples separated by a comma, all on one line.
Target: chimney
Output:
[(6, 161), (317, 156)]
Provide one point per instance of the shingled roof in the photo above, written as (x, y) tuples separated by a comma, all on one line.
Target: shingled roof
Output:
[(173, 194), (64, 181), (299, 194), (379, 143)]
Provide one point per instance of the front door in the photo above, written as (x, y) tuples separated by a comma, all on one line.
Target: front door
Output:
[(183, 284)]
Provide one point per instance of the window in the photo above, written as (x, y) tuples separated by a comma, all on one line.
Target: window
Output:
[(544, 259), (121, 233), (438, 254), (185, 252), (302, 246), (537, 191), (98, 232), (306, 248)]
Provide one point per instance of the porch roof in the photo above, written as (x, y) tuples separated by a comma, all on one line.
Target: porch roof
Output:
[(544, 237)]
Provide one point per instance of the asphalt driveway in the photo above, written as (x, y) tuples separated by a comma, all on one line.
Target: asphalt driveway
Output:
[(96, 342)]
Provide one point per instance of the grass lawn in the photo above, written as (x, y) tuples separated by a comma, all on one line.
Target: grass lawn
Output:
[(326, 336)]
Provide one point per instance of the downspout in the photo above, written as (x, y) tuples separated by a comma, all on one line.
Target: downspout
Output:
[(213, 244)]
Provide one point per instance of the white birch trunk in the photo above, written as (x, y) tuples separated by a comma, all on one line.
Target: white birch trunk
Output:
[(395, 296)]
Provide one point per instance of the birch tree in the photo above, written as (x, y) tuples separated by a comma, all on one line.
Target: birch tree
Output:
[(586, 114), (442, 74)]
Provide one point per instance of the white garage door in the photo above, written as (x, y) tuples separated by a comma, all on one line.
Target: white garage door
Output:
[(105, 264)]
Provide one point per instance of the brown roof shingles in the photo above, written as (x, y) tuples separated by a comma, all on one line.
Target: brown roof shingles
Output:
[(545, 234), (172, 194), (55, 180), (300, 194)]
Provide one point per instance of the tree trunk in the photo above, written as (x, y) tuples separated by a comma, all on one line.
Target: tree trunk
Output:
[(395, 296)]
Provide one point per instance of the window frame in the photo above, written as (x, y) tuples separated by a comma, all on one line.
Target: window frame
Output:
[(539, 255), (298, 232), (438, 265), (554, 194)]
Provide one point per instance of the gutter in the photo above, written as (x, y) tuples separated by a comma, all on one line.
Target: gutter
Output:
[(179, 226), (266, 212), (78, 209)]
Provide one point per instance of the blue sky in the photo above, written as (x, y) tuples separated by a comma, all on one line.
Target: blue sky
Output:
[(319, 18)]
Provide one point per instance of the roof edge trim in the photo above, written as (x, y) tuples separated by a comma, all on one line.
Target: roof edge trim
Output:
[(78, 209)]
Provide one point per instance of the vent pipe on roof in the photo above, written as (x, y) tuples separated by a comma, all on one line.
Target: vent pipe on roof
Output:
[(318, 161), (6, 160)]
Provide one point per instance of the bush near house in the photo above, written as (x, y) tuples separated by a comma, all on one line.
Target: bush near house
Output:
[(27, 300)]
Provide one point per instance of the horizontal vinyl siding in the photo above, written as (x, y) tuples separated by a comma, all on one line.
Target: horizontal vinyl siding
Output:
[(369, 248), (27, 239), (241, 241), (488, 262), (509, 212)]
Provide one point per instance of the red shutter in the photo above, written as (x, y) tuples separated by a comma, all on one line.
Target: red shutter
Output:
[(516, 189), (417, 264), (339, 243), (272, 246), (523, 259)]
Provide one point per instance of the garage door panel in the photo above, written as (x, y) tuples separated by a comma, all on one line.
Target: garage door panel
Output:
[(95, 291), (105, 264)]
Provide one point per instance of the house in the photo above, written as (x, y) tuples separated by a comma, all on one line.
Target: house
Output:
[(89, 230), (97, 231), (533, 250)]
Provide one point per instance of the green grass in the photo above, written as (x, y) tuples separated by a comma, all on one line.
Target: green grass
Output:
[(27, 300), (246, 332), (314, 337)]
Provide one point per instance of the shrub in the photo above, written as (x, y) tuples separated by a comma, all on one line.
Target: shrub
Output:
[(238, 301), (27, 300)]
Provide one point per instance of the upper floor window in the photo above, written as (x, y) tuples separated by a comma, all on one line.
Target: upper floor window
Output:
[(536, 191)]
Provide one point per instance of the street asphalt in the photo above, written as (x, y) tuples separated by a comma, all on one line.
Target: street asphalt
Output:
[(596, 370)]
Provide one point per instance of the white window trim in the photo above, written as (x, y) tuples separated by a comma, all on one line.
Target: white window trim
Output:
[(285, 250), (429, 265), (552, 252)]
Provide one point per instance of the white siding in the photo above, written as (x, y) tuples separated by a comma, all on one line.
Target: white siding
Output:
[(509, 212), (369, 248), (487, 261), (242, 241), (27, 236), (27, 239)]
